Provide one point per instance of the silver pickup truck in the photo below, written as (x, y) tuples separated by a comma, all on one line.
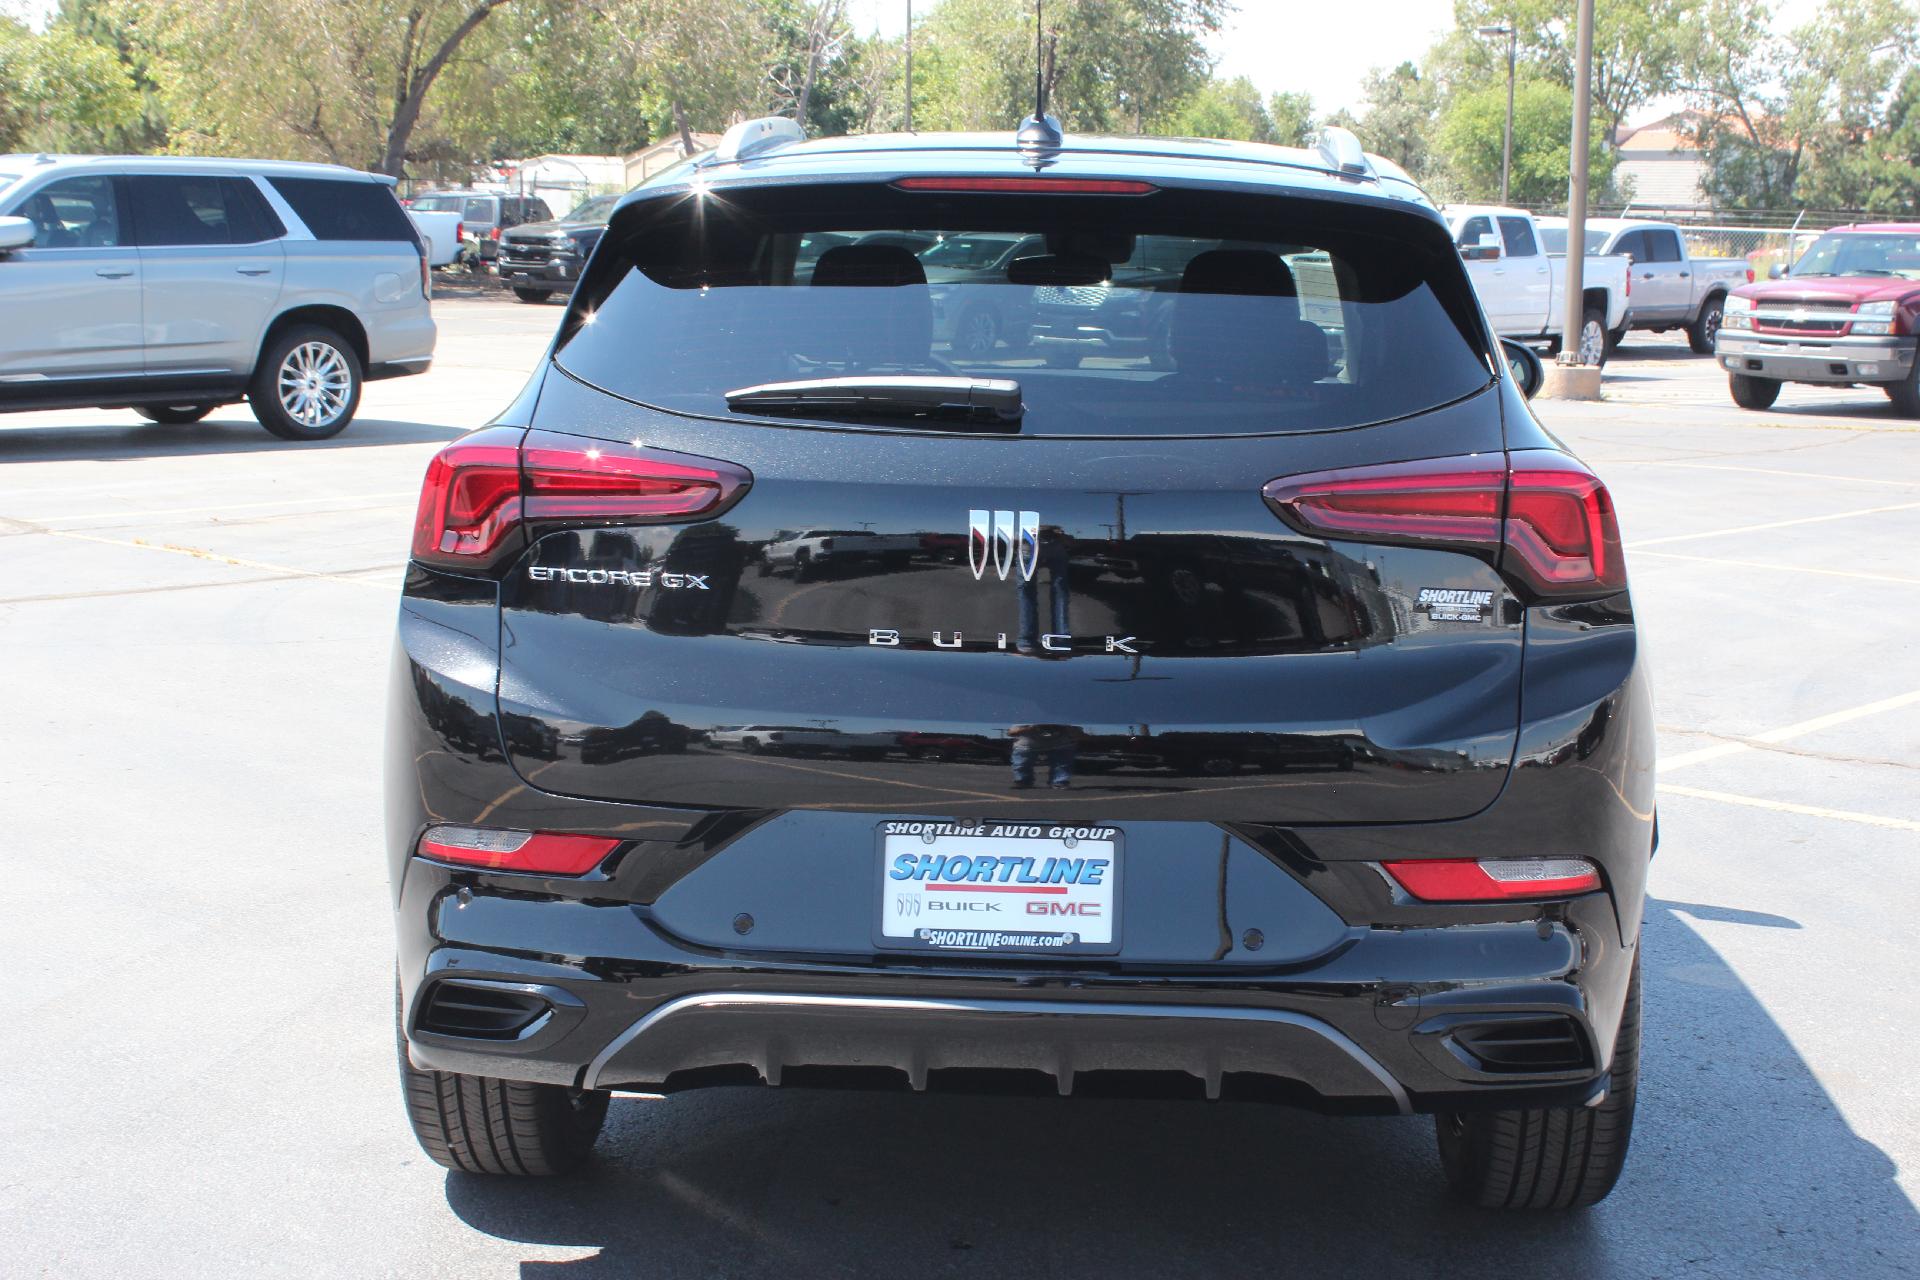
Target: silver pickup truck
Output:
[(1672, 289)]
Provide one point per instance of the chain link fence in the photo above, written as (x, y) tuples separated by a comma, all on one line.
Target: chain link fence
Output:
[(1764, 238)]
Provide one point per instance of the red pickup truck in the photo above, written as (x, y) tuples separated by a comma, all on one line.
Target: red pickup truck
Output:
[(1845, 315)]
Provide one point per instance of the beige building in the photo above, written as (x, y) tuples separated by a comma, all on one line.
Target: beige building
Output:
[(1661, 166)]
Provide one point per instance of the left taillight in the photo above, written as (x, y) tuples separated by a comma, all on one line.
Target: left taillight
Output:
[(1541, 517), (486, 493), (553, 853)]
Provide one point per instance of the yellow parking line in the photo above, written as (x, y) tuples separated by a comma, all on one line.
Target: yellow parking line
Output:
[(1771, 524), (201, 553), (1784, 568), (231, 506), (1783, 806), (1720, 750)]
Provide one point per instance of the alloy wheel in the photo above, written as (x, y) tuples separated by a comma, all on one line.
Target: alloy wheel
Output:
[(315, 384), (1593, 342)]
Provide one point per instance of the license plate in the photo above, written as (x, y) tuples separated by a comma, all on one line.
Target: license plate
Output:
[(1048, 888)]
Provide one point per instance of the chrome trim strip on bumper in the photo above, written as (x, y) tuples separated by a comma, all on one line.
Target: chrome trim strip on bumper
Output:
[(1055, 1008)]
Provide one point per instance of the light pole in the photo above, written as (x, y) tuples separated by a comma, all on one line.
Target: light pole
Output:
[(1570, 344), (1506, 154), (909, 66)]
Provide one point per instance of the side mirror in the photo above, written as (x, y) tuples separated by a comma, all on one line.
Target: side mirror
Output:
[(1524, 365), (1776, 271), (16, 233), (1485, 249)]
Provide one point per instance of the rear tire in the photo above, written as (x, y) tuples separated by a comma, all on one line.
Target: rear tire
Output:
[(1753, 393), (1706, 326), (533, 295), (173, 415), (478, 1124), (1548, 1157), (308, 384)]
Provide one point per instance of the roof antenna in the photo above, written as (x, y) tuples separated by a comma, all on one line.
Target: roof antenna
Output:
[(1039, 131)]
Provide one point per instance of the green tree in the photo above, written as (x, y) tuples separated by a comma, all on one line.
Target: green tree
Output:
[(1641, 48), (314, 79), (1473, 131), (60, 91), (1809, 117), (1401, 112), (1222, 109), (100, 22), (1109, 65), (1292, 115)]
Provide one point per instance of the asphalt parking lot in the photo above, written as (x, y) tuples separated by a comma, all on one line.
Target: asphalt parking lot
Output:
[(199, 1080)]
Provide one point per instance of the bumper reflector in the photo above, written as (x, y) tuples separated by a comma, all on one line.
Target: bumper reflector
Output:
[(553, 853), (1493, 879)]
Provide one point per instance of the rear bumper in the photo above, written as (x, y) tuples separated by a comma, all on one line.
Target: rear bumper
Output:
[(1384, 1024), (1831, 360)]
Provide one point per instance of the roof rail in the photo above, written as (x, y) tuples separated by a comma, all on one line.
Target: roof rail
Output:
[(752, 138), (1343, 154)]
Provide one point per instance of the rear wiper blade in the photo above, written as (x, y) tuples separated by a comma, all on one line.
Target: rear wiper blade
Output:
[(942, 400)]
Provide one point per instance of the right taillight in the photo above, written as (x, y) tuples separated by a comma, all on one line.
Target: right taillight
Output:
[(486, 493), (1493, 879), (1540, 516)]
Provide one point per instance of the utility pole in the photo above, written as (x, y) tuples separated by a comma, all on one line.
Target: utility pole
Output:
[(1575, 317), (909, 66)]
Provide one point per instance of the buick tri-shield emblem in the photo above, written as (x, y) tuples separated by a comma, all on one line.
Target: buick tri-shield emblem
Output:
[(1001, 539)]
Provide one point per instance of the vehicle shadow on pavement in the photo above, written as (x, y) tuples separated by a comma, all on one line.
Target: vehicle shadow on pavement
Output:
[(1741, 1165), (231, 430)]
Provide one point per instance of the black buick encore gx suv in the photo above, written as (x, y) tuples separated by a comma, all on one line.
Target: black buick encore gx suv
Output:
[(1233, 692)]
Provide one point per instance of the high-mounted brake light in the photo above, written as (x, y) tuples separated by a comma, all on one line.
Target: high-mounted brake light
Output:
[(483, 491), (1493, 879), (1543, 518), (554, 853), (1033, 186)]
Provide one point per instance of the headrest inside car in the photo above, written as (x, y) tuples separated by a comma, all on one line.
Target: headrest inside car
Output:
[(1254, 273), (869, 266)]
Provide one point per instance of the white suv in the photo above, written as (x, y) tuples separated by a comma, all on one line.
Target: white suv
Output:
[(171, 285)]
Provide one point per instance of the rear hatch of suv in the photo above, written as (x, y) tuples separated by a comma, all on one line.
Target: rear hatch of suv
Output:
[(1252, 573)]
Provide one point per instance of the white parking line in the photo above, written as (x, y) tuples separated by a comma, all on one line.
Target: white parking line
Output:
[(1755, 471), (1783, 806), (1771, 524), (1721, 750), (1783, 568)]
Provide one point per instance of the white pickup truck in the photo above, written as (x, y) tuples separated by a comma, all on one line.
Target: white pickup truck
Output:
[(1672, 289), (1522, 286), (440, 232), (808, 551)]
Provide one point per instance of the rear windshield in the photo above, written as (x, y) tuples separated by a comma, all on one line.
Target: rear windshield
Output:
[(1176, 313), (345, 209)]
